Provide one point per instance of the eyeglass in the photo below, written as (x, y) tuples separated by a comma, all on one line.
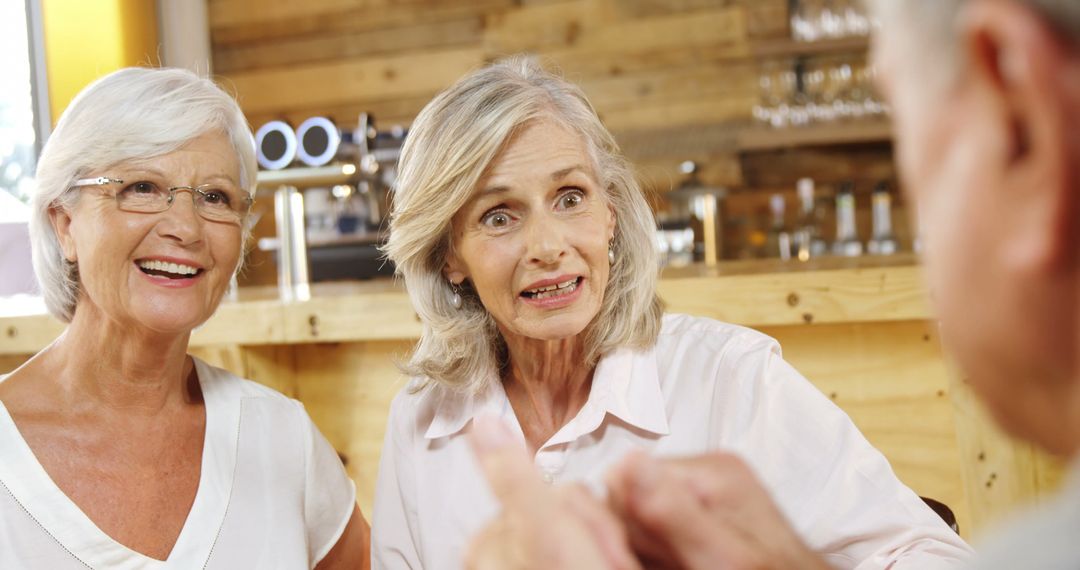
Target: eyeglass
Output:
[(214, 202)]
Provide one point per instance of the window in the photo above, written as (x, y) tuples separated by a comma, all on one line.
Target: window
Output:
[(20, 115)]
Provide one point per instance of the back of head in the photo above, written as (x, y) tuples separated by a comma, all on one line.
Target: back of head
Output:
[(985, 104), (133, 113), (929, 26)]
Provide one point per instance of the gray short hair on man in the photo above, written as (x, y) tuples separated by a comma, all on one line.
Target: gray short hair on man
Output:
[(450, 145), (930, 24), (133, 113)]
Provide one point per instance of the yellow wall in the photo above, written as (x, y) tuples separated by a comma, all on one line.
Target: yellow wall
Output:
[(85, 39)]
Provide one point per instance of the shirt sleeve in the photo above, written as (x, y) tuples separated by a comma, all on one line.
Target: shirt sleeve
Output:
[(839, 492), (329, 493), (393, 526)]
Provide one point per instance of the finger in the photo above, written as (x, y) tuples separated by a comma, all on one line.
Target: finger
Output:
[(506, 465), (669, 510), (490, 549), (620, 481), (604, 527)]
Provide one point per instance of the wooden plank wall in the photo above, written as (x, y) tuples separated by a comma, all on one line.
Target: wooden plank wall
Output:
[(672, 79)]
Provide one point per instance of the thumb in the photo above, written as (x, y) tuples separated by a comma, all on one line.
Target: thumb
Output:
[(505, 463)]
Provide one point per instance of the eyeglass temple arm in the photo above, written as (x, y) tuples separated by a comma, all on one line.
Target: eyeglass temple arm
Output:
[(99, 181)]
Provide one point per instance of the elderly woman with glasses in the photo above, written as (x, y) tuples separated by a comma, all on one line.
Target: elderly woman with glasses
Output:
[(528, 251), (119, 449)]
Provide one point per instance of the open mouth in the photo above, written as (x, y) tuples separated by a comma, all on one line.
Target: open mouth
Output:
[(557, 290), (167, 269)]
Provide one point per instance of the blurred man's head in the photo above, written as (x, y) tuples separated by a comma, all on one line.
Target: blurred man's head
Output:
[(986, 102)]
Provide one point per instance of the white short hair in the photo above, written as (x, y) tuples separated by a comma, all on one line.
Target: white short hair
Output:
[(133, 113), (930, 25), (450, 145)]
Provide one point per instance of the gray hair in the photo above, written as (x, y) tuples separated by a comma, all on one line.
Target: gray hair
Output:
[(930, 24), (450, 145), (133, 113)]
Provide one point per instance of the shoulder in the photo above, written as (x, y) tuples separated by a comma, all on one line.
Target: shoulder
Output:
[(703, 336), (1045, 537), (416, 404), (231, 389)]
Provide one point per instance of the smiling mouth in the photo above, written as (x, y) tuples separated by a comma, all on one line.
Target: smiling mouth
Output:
[(564, 288), (166, 269)]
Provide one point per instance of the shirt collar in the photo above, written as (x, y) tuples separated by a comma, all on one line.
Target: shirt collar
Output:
[(455, 409), (626, 384)]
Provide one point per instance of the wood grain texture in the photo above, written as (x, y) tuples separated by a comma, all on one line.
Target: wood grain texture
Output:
[(340, 82), (891, 380), (381, 310), (347, 389), (671, 79), (1001, 474)]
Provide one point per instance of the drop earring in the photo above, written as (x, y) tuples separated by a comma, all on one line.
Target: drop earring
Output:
[(611, 253), (455, 295)]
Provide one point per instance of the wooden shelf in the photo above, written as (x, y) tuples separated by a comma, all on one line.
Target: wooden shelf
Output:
[(781, 47), (851, 132)]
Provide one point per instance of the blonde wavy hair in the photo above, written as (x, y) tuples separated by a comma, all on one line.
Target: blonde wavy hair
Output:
[(450, 145)]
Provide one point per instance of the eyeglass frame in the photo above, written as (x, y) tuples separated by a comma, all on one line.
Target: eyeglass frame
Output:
[(106, 180)]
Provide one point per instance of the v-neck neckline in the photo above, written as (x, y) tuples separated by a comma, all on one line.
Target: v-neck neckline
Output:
[(32, 487)]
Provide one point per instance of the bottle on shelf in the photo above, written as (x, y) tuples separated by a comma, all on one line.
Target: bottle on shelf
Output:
[(807, 240), (778, 238), (883, 241), (847, 242)]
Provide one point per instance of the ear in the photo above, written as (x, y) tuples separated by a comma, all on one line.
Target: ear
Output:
[(454, 270), (1028, 72), (60, 219)]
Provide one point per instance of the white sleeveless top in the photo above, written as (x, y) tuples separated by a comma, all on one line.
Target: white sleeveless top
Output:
[(272, 494)]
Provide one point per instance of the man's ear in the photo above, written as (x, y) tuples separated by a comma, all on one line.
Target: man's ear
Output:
[(60, 219), (1028, 71)]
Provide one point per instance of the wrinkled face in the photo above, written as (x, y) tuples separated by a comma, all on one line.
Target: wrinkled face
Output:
[(996, 310), (533, 240), (163, 272)]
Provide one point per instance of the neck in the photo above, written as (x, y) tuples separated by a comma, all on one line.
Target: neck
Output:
[(101, 363), (547, 384)]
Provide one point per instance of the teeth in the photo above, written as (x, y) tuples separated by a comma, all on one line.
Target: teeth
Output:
[(174, 268), (553, 290)]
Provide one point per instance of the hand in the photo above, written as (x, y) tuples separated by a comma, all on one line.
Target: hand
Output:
[(704, 512), (540, 527)]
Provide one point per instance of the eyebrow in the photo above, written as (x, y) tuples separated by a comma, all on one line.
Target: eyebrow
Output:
[(555, 177), (137, 169)]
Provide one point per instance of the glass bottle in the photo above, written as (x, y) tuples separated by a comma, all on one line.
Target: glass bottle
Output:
[(883, 241), (847, 242), (807, 240), (778, 239)]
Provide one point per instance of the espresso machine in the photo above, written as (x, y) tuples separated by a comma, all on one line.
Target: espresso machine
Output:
[(331, 189)]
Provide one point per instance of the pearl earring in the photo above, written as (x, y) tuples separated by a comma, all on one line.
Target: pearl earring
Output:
[(455, 295), (611, 253)]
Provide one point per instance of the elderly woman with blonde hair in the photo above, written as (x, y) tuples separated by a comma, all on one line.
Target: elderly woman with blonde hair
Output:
[(119, 449), (527, 249)]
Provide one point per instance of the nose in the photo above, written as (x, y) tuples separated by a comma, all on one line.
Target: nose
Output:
[(545, 241), (181, 221)]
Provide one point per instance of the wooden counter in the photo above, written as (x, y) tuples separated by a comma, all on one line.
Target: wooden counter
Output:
[(859, 330)]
